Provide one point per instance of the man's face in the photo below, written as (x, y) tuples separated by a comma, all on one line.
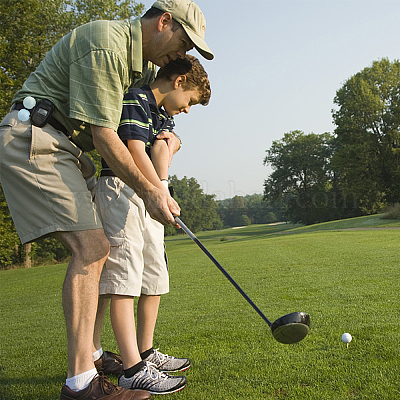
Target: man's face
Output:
[(170, 42), (180, 100)]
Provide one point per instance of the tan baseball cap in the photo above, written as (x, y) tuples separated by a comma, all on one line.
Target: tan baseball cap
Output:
[(189, 15)]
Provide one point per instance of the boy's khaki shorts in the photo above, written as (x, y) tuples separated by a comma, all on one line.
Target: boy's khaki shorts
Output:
[(42, 176), (136, 264)]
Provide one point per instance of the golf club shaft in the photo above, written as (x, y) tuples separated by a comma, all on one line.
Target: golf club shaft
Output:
[(219, 266)]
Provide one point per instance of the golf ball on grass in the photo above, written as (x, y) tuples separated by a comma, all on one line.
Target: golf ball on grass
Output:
[(346, 338)]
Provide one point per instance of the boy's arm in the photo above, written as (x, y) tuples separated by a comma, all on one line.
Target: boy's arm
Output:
[(160, 158), (173, 141), (137, 148)]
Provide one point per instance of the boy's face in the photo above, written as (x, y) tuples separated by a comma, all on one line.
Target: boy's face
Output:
[(180, 100)]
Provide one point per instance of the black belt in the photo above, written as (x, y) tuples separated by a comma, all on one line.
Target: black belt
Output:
[(52, 121), (107, 172)]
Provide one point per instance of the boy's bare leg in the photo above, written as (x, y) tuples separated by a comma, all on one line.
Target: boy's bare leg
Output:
[(80, 294), (123, 323), (147, 311), (101, 312)]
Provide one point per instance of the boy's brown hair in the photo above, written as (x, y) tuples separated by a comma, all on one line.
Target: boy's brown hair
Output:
[(196, 76)]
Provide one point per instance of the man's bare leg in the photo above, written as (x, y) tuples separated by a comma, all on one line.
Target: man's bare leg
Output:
[(147, 311), (80, 294)]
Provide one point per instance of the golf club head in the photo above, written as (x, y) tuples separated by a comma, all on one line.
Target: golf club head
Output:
[(291, 328)]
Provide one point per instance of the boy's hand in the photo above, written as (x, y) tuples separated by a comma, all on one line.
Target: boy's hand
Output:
[(173, 141)]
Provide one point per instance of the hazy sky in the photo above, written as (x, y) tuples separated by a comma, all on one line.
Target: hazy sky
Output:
[(277, 67)]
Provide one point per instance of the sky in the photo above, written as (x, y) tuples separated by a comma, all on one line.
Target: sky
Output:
[(277, 67)]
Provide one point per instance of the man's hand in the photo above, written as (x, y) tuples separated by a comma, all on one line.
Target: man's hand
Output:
[(173, 142), (161, 207)]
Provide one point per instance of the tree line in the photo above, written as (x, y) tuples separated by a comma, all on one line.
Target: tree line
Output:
[(354, 171)]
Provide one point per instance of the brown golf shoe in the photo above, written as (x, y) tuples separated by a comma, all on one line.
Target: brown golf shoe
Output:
[(102, 388), (109, 364)]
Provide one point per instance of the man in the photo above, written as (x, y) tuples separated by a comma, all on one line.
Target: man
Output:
[(78, 89)]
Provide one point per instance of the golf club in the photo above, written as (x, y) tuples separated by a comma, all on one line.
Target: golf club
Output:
[(290, 328)]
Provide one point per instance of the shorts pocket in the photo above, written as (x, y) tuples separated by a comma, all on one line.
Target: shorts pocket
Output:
[(116, 266), (117, 239)]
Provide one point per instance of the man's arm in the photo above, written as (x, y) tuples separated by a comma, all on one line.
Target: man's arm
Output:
[(158, 203)]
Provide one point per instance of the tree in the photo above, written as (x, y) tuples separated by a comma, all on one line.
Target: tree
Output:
[(302, 177), (261, 211), (9, 241), (198, 210), (28, 29), (367, 127), (236, 210)]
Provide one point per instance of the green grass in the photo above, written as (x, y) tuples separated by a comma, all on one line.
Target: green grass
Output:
[(346, 280)]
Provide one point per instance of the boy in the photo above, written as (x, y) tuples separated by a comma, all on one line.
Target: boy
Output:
[(136, 265)]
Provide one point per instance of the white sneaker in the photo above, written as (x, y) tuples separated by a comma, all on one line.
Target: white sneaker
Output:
[(167, 363), (156, 382)]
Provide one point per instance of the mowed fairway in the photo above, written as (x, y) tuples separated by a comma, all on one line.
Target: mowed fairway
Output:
[(348, 281)]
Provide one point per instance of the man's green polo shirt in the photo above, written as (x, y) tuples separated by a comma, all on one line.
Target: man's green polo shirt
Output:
[(87, 73)]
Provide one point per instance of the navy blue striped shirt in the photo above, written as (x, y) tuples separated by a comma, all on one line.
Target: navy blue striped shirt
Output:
[(141, 118)]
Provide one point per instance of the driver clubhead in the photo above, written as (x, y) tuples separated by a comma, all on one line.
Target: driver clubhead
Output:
[(291, 328)]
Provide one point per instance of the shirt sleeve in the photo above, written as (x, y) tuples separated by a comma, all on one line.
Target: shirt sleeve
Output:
[(96, 88), (170, 125), (136, 122), (162, 122)]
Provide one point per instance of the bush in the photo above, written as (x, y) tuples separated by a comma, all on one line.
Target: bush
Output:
[(49, 250), (245, 220), (392, 212)]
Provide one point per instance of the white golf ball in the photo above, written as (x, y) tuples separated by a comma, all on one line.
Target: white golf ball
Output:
[(29, 102), (346, 338), (23, 115)]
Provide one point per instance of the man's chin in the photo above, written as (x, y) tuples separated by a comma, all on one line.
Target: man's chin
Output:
[(164, 62)]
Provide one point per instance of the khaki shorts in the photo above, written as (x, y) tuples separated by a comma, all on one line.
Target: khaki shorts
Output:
[(44, 178), (137, 263)]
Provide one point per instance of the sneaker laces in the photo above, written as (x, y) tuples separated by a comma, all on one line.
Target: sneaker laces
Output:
[(163, 358), (107, 386), (154, 373)]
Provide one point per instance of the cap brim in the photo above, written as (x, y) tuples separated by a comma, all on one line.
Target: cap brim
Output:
[(199, 43)]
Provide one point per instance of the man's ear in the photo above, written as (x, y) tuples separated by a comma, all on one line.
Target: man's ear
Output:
[(179, 80), (164, 21)]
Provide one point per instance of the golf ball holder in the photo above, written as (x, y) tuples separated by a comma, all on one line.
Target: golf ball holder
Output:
[(39, 113)]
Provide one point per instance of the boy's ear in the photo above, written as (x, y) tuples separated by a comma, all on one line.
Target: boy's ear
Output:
[(180, 79)]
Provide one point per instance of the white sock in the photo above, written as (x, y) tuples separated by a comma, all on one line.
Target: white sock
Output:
[(81, 381), (97, 354)]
